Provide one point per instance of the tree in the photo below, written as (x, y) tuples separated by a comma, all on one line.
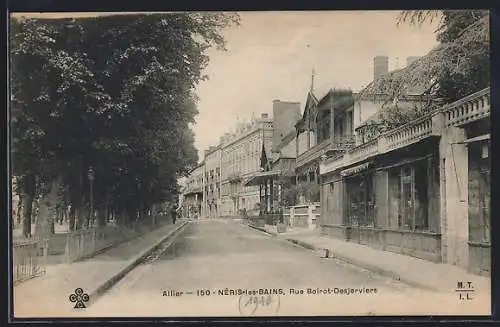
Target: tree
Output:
[(114, 93), (457, 67)]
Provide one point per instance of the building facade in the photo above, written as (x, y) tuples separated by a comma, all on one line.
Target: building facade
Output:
[(192, 198), (241, 154), (212, 182), (328, 126), (422, 189), (236, 158)]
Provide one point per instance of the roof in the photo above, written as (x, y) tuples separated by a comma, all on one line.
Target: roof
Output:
[(199, 165), (260, 177), (311, 101), (336, 93), (285, 141)]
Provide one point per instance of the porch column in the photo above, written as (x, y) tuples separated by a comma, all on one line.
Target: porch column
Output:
[(265, 196), (454, 224), (332, 118), (280, 192), (260, 197), (297, 144), (308, 138), (271, 185)]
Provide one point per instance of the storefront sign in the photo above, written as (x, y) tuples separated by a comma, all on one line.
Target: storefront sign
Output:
[(355, 169)]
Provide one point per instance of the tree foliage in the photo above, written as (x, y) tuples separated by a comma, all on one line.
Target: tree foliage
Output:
[(458, 66), (114, 93)]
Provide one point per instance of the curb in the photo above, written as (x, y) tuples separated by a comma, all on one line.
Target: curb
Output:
[(259, 229), (109, 247), (331, 253), (94, 295)]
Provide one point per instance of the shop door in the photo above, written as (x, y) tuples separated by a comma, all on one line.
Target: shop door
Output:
[(407, 211), (356, 206), (479, 192)]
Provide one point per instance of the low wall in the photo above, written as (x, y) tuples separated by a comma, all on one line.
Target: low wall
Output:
[(303, 216), (421, 245), (256, 221), (480, 258), (339, 232)]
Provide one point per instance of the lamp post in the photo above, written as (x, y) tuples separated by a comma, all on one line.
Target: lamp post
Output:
[(91, 175)]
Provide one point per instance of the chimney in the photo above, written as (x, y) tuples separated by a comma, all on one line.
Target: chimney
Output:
[(410, 60), (285, 116), (380, 66)]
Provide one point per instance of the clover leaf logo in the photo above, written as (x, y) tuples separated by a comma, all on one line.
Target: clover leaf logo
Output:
[(79, 297)]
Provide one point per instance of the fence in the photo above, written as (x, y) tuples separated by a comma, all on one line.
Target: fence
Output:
[(29, 260)]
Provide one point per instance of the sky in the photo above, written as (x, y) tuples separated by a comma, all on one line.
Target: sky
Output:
[(271, 56)]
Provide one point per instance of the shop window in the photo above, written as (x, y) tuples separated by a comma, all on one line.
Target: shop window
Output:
[(409, 195), (360, 200)]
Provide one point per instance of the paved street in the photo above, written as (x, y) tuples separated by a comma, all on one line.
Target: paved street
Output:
[(215, 255)]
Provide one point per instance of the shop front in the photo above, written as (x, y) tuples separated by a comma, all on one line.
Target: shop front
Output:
[(479, 195), (390, 202)]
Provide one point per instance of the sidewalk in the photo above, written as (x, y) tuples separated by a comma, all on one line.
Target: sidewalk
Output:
[(48, 295), (415, 272)]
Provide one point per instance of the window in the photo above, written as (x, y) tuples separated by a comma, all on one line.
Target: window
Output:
[(408, 197), (360, 200)]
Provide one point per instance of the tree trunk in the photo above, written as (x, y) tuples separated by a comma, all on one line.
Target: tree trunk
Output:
[(72, 218), (82, 219), (27, 208), (45, 223), (19, 210), (27, 184), (101, 215)]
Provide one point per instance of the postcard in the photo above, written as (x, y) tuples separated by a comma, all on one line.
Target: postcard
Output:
[(250, 164)]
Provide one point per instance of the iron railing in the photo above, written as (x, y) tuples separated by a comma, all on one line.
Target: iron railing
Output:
[(84, 243), (29, 259)]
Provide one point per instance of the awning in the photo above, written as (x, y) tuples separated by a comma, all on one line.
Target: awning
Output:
[(260, 177), (195, 191), (355, 169), (478, 138)]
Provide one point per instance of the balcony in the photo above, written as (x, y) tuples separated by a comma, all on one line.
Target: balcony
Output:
[(193, 190), (410, 133), (337, 143), (468, 109), (363, 151), (234, 177)]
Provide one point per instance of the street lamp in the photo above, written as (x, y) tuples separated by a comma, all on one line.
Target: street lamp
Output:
[(91, 175)]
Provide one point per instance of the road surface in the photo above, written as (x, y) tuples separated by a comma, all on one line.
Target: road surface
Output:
[(217, 260)]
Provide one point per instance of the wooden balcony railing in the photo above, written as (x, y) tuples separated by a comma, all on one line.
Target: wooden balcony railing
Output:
[(466, 110), (333, 144)]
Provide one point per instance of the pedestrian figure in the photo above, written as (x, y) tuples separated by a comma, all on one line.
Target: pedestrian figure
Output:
[(174, 214)]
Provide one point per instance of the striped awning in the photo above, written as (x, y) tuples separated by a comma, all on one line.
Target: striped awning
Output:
[(261, 177), (355, 169)]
